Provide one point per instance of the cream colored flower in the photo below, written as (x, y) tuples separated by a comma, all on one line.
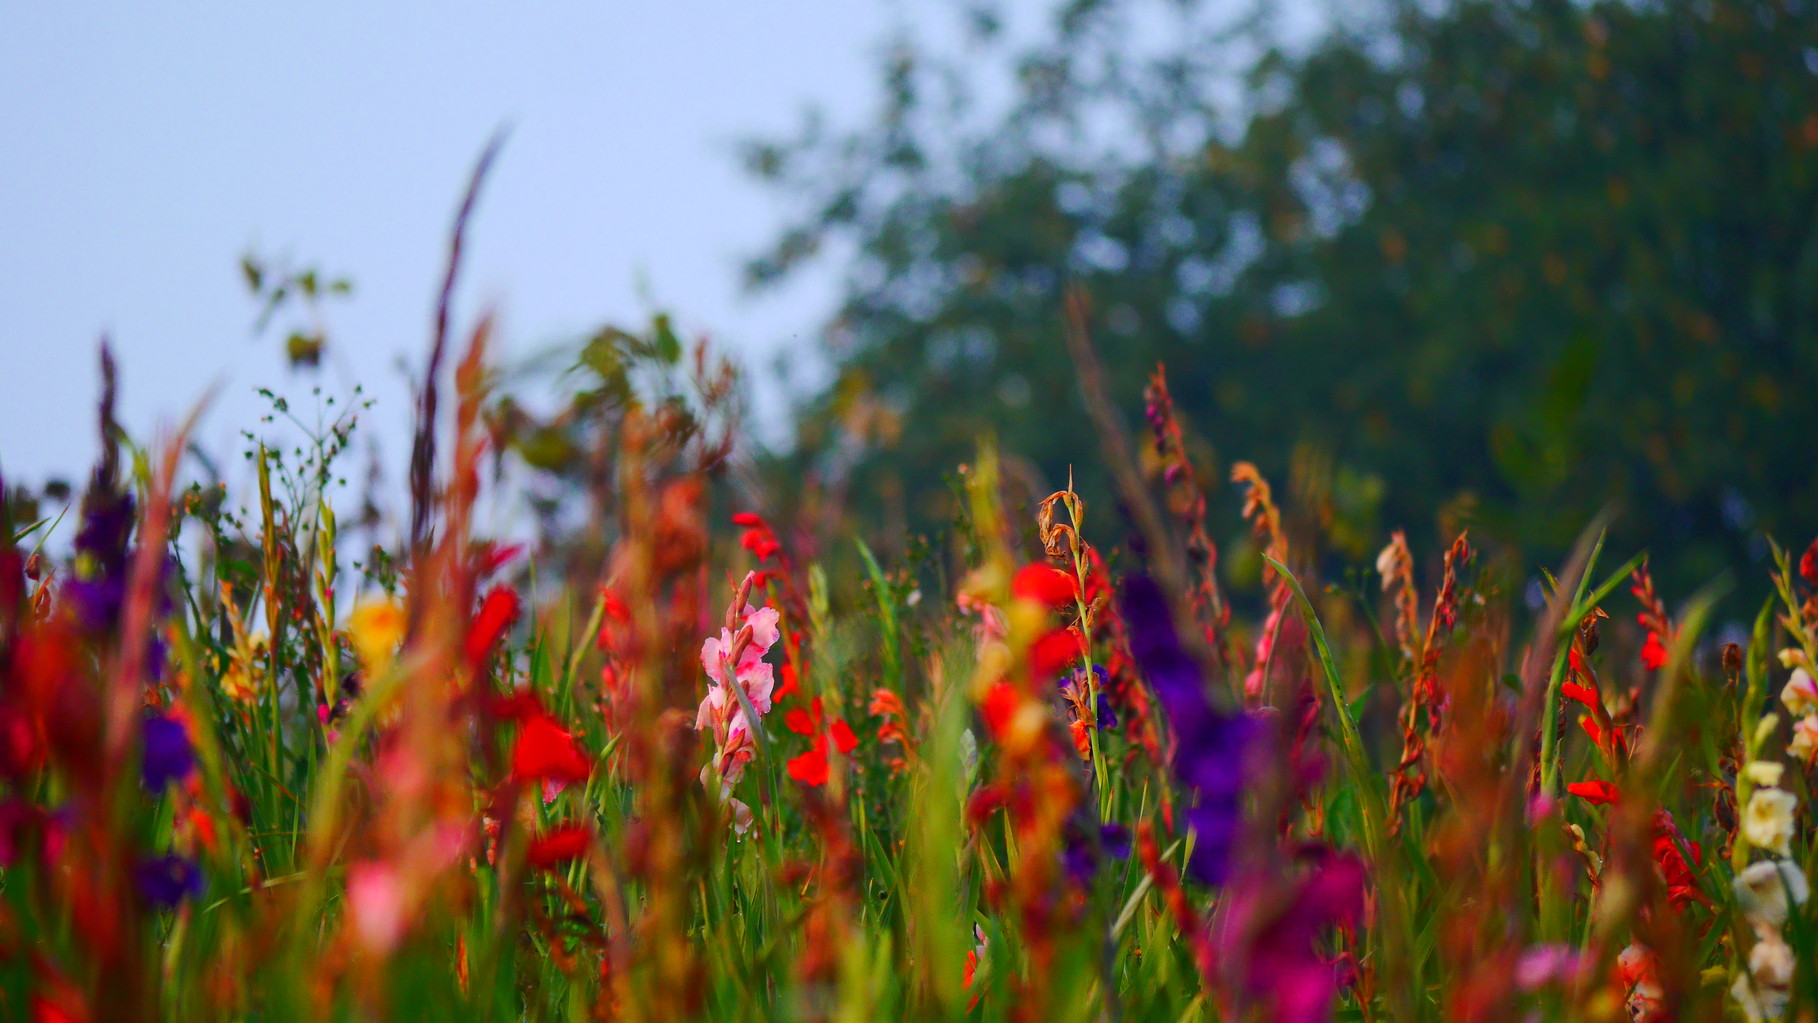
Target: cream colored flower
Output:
[(1763, 993), (1765, 772), (1763, 891), (1805, 738), (1800, 694), (1767, 822)]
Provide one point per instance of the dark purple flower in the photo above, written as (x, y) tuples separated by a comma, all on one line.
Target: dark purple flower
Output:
[(167, 754), (1210, 743), (1079, 856), (167, 880)]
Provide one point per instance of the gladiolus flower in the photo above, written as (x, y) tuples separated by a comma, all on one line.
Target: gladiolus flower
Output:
[(1653, 653), (1212, 742), (812, 767), (168, 880), (1044, 585), (497, 612), (1054, 653), (1805, 738), (758, 537), (1767, 821), (1583, 694), (1763, 891), (1800, 694), (1638, 970), (560, 844), (1595, 792), (546, 752), (167, 755)]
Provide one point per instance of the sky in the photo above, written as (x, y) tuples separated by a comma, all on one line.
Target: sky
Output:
[(149, 146)]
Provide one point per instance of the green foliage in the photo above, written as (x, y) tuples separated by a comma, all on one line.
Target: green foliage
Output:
[(1516, 263)]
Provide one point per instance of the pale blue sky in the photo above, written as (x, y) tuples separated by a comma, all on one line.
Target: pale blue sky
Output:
[(148, 145)]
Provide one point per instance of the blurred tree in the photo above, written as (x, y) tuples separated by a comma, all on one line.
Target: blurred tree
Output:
[(1515, 262)]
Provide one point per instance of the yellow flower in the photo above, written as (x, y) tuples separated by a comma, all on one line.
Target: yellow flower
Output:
[(1767, 822), (376, 627)]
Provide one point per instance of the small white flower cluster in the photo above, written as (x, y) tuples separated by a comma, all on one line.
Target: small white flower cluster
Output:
[(1766, 892)]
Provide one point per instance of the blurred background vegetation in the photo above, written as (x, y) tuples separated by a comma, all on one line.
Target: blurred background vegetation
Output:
[(1503, 265)]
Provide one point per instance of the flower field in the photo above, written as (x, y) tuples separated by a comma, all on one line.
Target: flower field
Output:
[(1051, 765)]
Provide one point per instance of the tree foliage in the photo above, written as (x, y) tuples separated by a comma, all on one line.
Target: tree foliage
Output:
[(1522, 262)]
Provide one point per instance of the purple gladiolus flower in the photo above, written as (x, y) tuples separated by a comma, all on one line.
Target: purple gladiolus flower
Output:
[(167, 755), (1211, 743), (1081, 861), (167, 880)]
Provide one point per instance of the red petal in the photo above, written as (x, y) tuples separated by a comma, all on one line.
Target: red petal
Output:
[(560, 844), (1044, 585), (843, 739), (497, 612), (750, 520), (1653, 653), (547, 752), (799, 721), (1590, 728), (1054, 653), (811, 767), (1594, 791), (787, 686), (1583, 694), (998, 707), (1576, 660)]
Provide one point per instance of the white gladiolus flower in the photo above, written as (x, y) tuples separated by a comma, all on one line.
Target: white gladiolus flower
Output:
[(1765, 772), (1767, 822), (1764, 889)]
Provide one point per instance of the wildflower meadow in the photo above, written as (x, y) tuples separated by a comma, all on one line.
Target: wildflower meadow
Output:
[(691, 755)]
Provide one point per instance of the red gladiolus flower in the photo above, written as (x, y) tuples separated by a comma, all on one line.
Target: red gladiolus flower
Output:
[(998, 707), (1576, 660), (790, 683), (1653, 653), (1044, 585), (1583, 694), (547, 752), (1591, 729), (758, 537), (560, 844), (1595, 792), (497, 612), (1682, 882), (1808, 564), (812, 767), (1054, 653)]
